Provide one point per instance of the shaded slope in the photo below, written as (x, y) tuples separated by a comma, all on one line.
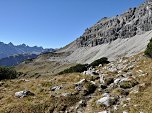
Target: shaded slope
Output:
[(16, 59)]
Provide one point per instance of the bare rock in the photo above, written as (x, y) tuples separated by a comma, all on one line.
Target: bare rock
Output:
[(21, 94), (55, 88), (107, 100)]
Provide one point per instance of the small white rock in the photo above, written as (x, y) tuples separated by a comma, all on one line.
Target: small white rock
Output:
[(124, 112), (104, 100), (21, 94), (104, 112)]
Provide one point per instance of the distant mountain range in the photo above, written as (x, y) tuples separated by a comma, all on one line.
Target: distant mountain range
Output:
[(16, 59), (11, 55), (10, 49)]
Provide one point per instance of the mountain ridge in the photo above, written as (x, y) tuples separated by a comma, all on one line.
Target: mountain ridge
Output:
[(10, 49), (82, 51)]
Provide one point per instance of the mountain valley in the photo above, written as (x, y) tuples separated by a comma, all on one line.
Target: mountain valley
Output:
[(106, 70)]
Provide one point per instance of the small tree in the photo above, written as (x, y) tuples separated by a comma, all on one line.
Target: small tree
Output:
[(148, 50)]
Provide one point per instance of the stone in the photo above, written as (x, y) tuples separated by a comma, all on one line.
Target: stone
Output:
[(79, 107), (66, 94), (90, 72), (104, 112), (80, 82), (55, 88), (21, 94), (115, 107), (102, 79), (25, 80), (124, 112), (106, 100)]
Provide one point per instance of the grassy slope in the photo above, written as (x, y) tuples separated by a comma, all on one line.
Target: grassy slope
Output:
[(44, 66), (44, 102)]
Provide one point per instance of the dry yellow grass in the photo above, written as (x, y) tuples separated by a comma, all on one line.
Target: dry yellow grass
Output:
[(42, 101), (45, 102)]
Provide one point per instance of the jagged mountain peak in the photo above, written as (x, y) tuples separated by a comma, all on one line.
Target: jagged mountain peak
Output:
[(11, 49)]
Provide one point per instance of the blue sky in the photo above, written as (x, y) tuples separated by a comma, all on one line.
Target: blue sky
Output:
[(54, 23)]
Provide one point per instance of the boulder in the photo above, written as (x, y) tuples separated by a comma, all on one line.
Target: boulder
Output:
[(107, 100), (21, 94)]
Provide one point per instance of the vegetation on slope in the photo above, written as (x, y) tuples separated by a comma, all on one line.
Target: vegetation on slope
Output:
[(83, 67), (53, 101), (77, 68), (7, 73), (101, 61), (148, 50)]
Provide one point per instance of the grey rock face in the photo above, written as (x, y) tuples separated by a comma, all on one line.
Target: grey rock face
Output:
[(134, 21)]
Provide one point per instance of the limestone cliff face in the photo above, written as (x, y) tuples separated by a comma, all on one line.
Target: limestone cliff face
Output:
[(134, 21)]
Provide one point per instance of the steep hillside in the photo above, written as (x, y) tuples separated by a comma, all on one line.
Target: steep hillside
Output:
[(123, 35), (7, 50), (113, 50), (134, 21)]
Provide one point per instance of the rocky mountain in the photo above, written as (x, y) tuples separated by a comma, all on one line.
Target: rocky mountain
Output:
[(120, 36), (16, 59), (133, 22), (123, 85), (123, 35), (7, 50)]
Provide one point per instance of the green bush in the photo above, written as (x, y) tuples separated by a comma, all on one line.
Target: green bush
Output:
[(148, 50), (77, 68), (102, 61), (7, 73)]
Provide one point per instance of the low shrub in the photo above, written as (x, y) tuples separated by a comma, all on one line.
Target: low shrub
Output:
[(101, 61), (7, 73), (148, 50), (78, 68)]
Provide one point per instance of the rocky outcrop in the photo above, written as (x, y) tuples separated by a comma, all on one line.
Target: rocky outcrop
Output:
[(134, 21)]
